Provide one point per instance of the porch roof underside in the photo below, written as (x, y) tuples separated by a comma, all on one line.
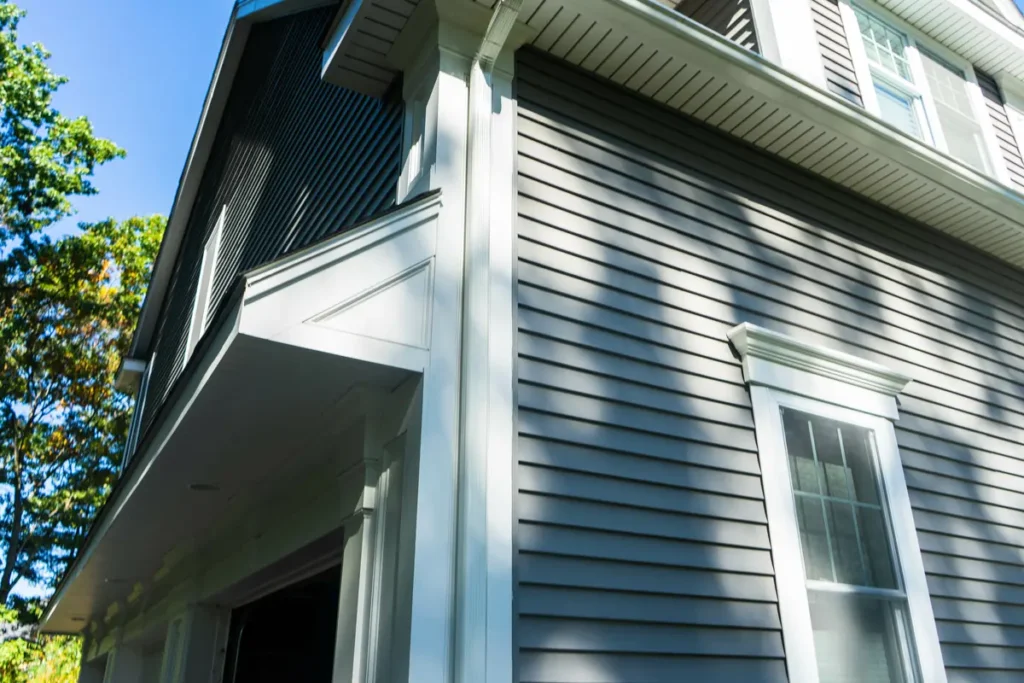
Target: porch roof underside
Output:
[(249, 416)]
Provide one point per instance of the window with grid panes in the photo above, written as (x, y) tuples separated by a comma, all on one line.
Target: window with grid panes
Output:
[(892, 79), (857, 602), (923, 94)]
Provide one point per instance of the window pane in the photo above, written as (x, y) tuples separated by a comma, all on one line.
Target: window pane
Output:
[(843, 531), (830, 457), (845, 544), (859, 639), (897, 110), (803, 469), (871, 525), (956, 118), (885, 46), (813, 538), (859, 454)]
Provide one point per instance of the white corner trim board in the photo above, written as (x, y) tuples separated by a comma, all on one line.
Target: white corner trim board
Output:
[(783, 362)]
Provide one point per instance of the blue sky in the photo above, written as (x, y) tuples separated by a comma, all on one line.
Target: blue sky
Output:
[(139, 69)]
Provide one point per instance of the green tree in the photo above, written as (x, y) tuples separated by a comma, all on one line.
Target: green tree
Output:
[(48, 659), (66, 309), (62, 423)]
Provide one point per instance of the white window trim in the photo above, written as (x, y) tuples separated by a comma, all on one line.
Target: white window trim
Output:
[(204, 285), (785, 372), (135, 428), (933, 133)]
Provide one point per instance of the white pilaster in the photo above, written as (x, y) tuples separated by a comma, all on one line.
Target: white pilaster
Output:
[(363, 641), (786, 35), (195, 644), (460, 614), (91, 672), (443, 102), (124, 665)]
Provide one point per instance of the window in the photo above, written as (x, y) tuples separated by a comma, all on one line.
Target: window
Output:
[(204, 287), (852, 592), (921, 90)]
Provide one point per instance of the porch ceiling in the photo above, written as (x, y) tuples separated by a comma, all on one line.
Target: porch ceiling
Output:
[(265, 414), (264, 401)]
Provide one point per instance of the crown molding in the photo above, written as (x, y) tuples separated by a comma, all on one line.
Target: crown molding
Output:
[(762, 351)]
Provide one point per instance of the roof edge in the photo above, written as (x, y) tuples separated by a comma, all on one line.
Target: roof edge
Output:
[(232, 47)]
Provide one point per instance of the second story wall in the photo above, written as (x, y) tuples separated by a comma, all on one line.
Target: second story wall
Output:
[(840, 74), (294, 160), (1008, 145)]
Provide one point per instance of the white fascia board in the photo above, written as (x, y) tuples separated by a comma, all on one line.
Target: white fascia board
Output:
[(264, 10), (649, 18), (188, 185)]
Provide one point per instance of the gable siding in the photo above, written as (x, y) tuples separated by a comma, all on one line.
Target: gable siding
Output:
[(295, 159), (1008, 147), (840, 75), (642, 544), (733, 19)]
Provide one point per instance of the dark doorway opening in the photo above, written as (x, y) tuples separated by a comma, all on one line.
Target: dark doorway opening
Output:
[(287, 635)]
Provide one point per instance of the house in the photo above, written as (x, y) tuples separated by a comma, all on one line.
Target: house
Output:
[(581, 341)]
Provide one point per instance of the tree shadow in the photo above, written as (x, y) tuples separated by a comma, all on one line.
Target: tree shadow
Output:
[(643, 238)]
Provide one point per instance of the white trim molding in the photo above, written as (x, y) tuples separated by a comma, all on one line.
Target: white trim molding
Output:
[(787, 36), (778, 360), (781, 372)]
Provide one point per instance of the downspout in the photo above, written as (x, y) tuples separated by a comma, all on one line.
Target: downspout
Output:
[(471, 623)]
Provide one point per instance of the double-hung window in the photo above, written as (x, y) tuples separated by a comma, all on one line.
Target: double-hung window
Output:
[(920, 89), (852, 594)]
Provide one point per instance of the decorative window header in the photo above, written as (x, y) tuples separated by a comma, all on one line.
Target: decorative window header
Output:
[(779, 361)]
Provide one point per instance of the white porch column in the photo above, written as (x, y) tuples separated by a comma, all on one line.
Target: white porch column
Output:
[(194, 647), (124, 665), (460, 139), (91, 672), (787, 36)]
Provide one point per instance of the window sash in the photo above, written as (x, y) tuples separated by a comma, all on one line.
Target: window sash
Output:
[(784, 531)]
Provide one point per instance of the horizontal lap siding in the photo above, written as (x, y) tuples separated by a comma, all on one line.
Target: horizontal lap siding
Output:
[(642, 239), (840, 74), (733, 19), (295, 159), (1008, 145)]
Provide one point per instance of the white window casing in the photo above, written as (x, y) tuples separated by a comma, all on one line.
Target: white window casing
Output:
[(927, 63), (135, 428), (837, 389), (204, 287)]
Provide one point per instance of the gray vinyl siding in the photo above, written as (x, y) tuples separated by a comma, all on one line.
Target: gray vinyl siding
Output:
[(1008, 147), (295, 159), (733, 19), (643, 237), (834, 47)]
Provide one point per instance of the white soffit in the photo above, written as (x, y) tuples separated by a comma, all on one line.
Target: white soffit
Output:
[(360, 38), (660, 54), (987, 40)]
